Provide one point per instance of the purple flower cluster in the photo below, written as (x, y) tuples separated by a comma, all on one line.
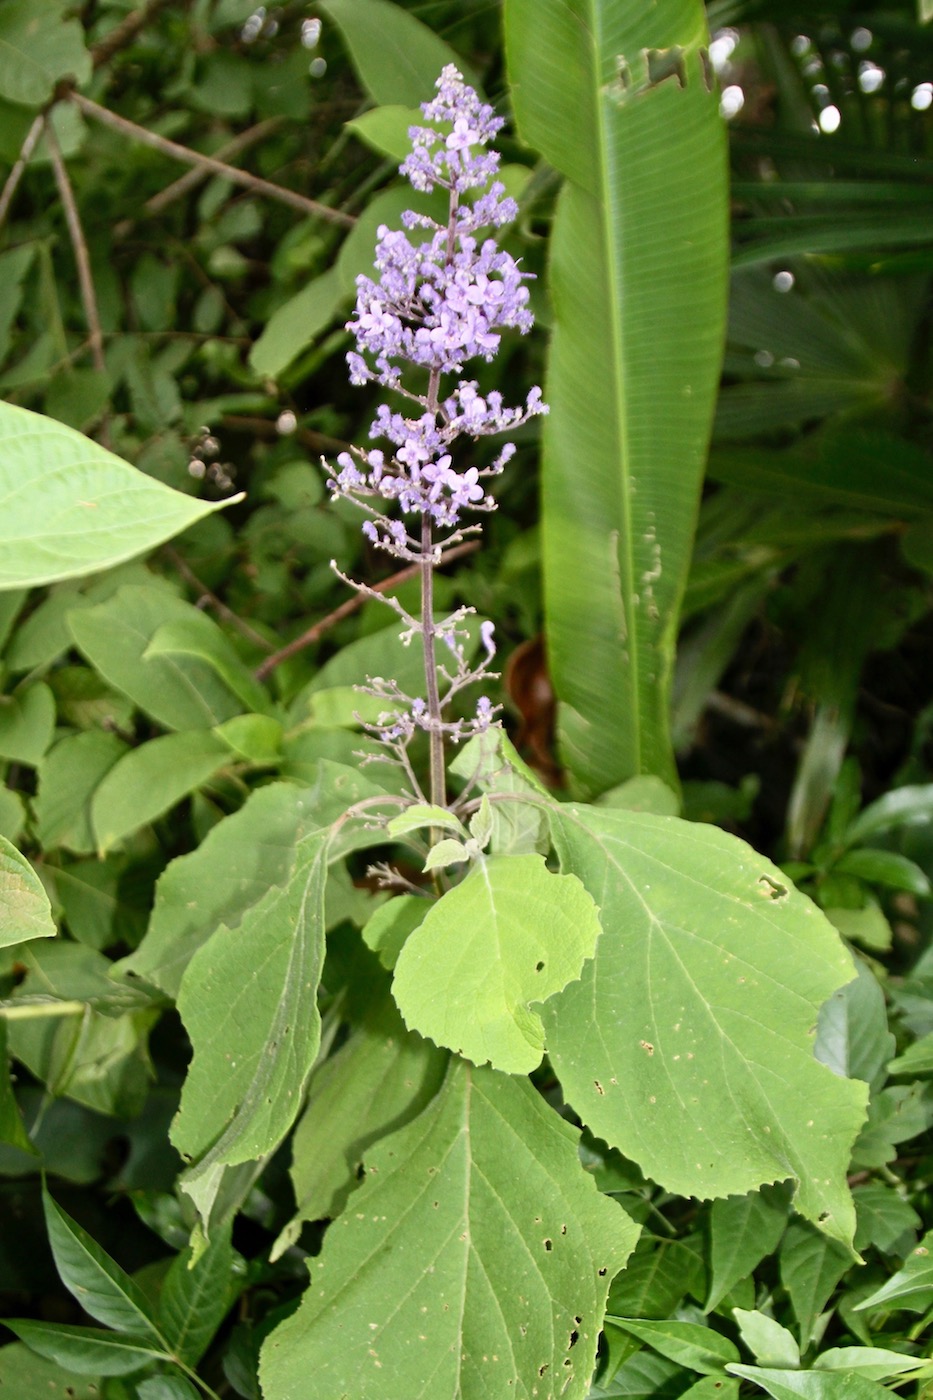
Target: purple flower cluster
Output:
[(437, 304)]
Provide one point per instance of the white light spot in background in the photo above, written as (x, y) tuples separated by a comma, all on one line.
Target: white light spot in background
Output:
[(870, 76), (286, 422), (317, 67), (821, 93), (722, 47), (783, 281), (310, 33), (830, 117), (764, 358), (922, 97), (799, 45), (732, 101), (861, 39)]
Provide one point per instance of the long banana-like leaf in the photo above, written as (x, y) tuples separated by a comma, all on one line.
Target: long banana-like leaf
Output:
[(618, 96)]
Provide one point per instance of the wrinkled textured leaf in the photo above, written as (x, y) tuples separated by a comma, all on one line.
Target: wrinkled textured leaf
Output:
[(249, 1002), (96, 509), (474, 1260), (25, 911), (688, 1042), (509, 936), (638, 263)]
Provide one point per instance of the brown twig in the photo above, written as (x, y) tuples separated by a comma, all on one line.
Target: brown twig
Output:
[(22, 160), (211, 164), (265, 428), (79, 246), (206, 596), (352, 605), (192, 178), (125, 32)]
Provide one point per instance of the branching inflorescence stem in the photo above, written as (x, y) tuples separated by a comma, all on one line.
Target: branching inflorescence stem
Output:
[(437, 304)]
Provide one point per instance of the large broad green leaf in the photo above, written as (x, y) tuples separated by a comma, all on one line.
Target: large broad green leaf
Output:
[(688, 1041), (473, 1261), (743, 1229), (72, 508), (509, 936), (617, 97), (234, 867), (398, 59), (249, 1002), (25, 911)]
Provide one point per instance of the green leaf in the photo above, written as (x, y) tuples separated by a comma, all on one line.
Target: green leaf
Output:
[(25, 911), (811, 1266), (659, 1274), (69, 775), (769, 1342), (25, 1374), (295, 324), (242, 1095), (690, 1344), (12, 1130), (852, 1035), (98, 1283), (712, 1388), (475, 1257), (904, 806), (199, 636), (397, 58), (86, 1350), (705, 987), (886, 868), (491, 761), (235, 866), (916, 1060), (257, 739), (638, 263), (385, 129), (743, 1230), (27, 722), (446, 853), (512, 934), (37, 48), (422, 815), (147, 782), (911, 1288), (884, 1217), (195, 1298), (387, 929), (874, 1363), (811, 1385), (96, 509), (115, 636), (168, 1387), (380, 1079)]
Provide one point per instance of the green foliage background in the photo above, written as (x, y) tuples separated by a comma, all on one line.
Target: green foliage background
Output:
[(742, 636)]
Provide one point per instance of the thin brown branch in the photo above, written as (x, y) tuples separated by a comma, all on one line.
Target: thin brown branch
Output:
[(192, 178), (206, 596), (22, 160), (79, 245), (309, 207), (125, 32), (265, 428), (352, 605)]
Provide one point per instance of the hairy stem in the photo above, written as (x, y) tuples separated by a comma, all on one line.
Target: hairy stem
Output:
[(436, 738)]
